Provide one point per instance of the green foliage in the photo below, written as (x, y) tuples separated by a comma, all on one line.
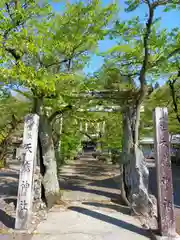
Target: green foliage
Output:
[(50, 47), (45, 52), (160, 97), (144, 52), (132, 5), (13, 112), (71, 139), (112, 138)]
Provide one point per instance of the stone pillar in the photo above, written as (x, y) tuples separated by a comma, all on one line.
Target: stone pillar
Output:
[(86, 127), (98, 127), (80, 127), (166, 215), (103, 127), (60, 133), (99, 146), (26, 185)]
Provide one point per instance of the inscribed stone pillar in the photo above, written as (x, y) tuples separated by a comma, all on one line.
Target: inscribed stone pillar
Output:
[(164, 174), (28, 158), (86, 127)]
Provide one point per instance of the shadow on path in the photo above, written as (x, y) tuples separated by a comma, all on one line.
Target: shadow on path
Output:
[(107, 183), (8, 183), (109, 195), (111, 220), (11, 201), (91, 176), (7, 220), (118, 208)]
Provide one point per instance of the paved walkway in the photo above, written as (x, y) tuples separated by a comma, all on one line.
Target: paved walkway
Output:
[(89, 213)]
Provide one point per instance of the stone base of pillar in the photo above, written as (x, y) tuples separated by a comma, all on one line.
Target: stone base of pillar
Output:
[(167, 238), (158, 237)]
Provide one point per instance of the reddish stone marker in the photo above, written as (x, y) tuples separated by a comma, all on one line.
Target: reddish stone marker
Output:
[(164, 175)]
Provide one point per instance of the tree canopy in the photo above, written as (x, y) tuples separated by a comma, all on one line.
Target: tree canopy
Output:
[(44, 52), (43, 56)]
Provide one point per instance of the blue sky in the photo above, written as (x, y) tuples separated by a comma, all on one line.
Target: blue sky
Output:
[(169, 20)]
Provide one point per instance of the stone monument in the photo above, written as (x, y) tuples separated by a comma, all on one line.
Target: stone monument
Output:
[(26, 185), (166, 216)]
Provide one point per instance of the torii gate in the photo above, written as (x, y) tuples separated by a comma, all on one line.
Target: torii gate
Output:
[(166, 215), (163, 165), (125, 95)]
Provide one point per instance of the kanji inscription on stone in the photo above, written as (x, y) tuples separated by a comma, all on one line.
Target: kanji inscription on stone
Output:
[(28, 157), (164, 174)]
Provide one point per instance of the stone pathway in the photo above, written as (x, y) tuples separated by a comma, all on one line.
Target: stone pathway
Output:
[(90, 189), (90, 193)]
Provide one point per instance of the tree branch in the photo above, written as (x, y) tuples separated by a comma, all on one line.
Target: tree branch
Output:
[(174, 52), (60, 112), (15, 24), (174, 97), (146, 49), (9, 11), (13, 52), (161, 59), (56, 63), (92, 139), (66, 60), (162, 3), (143, 70)]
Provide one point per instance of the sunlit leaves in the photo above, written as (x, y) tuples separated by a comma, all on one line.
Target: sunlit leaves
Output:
[(51, 47), (120, 48), (132, 5), (161, 97), (128, 54)]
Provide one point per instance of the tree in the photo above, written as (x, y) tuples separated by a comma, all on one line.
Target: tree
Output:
[(12, 111), (174, 85), (42, 52), (160, 97), (68, 137), (113, 131), (142, 49)]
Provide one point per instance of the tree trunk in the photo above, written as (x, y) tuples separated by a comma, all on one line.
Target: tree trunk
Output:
[(125, 158), (123, 188), (50, 178), (47, 159), (136, 173)]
